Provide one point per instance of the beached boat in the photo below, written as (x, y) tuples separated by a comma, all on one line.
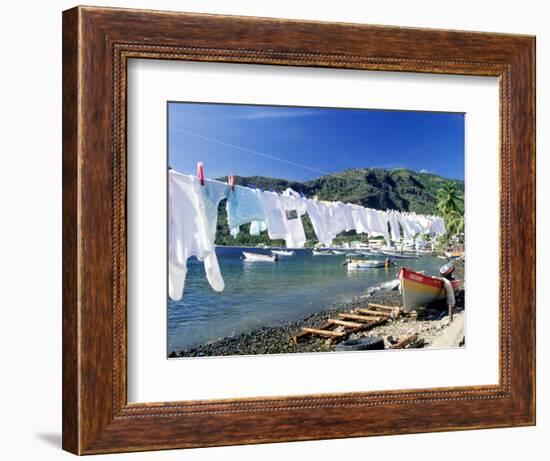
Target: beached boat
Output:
[(364, 264), (283, 252), (398, 255), (259, 257), (419, 290)]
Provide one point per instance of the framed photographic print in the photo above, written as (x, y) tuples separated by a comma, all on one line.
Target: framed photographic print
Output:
[(281, 230)]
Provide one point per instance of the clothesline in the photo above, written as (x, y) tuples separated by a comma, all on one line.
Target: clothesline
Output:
[(273, 157), (193, 216)]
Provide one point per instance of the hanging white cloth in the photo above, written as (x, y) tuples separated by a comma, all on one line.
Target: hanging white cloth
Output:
[(274, 214), (394, 225), (377, 224), (319, 215), (283, 217), (360, 219), (294, 207), (190, 234)]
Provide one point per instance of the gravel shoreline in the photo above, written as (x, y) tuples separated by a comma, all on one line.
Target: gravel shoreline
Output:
[(428, 325)]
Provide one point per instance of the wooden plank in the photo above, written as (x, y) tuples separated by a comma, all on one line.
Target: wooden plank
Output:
[(363, 327), (369, 311), (344, 323), (363, 318), (304, 334), (327, 333), (381, 306)]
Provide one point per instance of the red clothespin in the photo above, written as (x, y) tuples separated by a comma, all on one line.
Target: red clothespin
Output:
[(200, 172), (231, 181)]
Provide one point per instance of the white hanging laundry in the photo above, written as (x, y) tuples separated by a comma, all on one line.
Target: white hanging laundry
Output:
[(425, 223), (337, 222), (408, 230), (440, 225), (360, 219), (393, 219), (418, 223), (411, 226), (274, 215), (256, 227), (319, 215), (347, 214), (243, 206), (190, 232), (283, 217), (341, 217), (294, 206), (377, 224)]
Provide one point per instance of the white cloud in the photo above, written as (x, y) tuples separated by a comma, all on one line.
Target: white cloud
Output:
[(262, 114)]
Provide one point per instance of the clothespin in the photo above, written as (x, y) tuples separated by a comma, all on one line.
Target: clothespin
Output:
[(231, 181), (200, 172)]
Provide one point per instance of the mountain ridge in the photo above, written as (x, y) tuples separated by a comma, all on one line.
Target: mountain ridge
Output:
[(401, 189)]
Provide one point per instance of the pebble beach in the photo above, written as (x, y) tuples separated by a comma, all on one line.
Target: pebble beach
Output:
[(429, 324)]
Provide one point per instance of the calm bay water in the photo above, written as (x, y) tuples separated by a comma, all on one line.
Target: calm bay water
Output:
[(267, 294)]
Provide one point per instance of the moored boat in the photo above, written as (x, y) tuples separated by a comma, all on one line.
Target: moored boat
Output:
[(364, 264), (322, 253), (259, 257), (419, 290), (283, 252), (400, 255), (454, 254)]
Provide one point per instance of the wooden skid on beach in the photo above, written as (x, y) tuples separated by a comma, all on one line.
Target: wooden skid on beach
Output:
[(384, 308), (359, 319), (363, 327), (369, 312), (344, 323), (329, 333)]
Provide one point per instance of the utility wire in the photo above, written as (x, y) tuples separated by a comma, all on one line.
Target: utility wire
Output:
[(272, 157)]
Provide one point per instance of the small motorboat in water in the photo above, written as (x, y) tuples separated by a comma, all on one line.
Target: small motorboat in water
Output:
[(419, 290), (283, 252), (259, 257), (364, 264)]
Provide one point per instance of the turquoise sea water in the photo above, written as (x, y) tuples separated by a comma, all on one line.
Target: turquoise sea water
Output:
[(267, 294)]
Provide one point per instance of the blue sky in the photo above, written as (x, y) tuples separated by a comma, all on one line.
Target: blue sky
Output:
[(301, 143)]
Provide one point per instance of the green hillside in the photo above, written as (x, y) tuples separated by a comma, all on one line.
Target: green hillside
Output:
[(399, 189)]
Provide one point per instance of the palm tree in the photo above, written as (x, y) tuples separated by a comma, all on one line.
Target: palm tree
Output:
[(449, 199), (455, 223), (450, 206)]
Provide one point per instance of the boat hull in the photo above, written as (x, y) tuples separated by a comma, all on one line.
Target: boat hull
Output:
[(258, 257), (282, 252), (353, 265), (454, 254), (419, 290), (400, 255)]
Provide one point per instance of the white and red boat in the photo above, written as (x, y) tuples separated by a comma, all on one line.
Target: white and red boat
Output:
[(419, 289)]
